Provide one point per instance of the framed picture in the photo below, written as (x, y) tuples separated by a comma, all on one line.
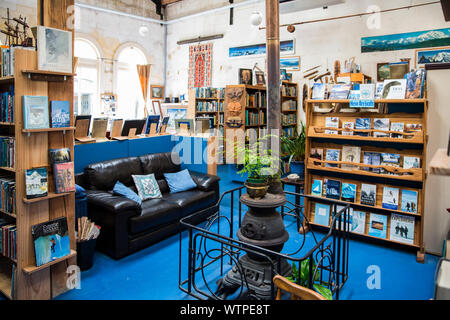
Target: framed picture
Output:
[(246, 76), (156, 104), (432, 55), (283, 74), (290, 63), (260, 78), (184, 126), (55, 49), (383, 71), (157, 92), (286, 47), (174, 113)]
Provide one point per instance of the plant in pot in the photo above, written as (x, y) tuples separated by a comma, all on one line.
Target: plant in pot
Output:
[(261, 168), (294, 148)]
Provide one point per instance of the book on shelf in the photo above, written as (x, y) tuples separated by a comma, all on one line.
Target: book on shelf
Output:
[(413, 127), (394, 89), (358, 222), (348, 125), (331, 122), (8, 233), (316, 153), (318, 91), (381, 124), (322, 214), (354, 95), (316, 188), (340, 91), (64, 177), (51, 240), (60, 114), (409, 201), (59, 155), (390, 159), (378, 225), (398, 127), (332, 155), (7, 151), (35, 112), (333, 189), (7, 105), (363, 124), (368, 194), (372, 158), (379, 90), (8, 194), (390, 198), (411, 162), (348, 192), (415, 83), (350, 154), (36, 184), (402, 228), (346, 219), (367, 91)]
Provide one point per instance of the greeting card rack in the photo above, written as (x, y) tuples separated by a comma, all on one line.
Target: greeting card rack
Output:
[(409, 144), (21, 279)]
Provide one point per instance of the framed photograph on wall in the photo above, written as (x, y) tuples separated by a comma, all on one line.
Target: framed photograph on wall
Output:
[(432, 55), (383, 71), (54, 49), (246, 76), (260, 78), (157, 92), (290, 63)]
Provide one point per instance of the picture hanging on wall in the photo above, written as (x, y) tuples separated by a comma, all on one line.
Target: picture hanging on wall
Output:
[(157, 92), (405, 41), (286, 47), (200, 65), (290, 63), (433, 55), (383, 71), (260, 78)]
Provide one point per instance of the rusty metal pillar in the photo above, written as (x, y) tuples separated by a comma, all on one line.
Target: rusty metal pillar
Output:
[(273, 68)]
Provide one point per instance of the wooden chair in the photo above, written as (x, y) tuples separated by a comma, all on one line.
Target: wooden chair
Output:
[(297, 292)]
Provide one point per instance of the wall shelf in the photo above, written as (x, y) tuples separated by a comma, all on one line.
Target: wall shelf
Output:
[(32, 269), (50, 76), (51, 195)]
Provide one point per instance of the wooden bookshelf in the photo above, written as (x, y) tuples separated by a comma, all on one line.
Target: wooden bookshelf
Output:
[(196, 99), (31, 150), (413, 144)]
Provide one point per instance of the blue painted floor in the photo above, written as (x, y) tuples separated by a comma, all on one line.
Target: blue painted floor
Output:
[(153, 272)]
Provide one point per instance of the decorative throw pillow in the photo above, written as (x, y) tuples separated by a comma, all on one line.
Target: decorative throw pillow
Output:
[(147, 187), (122, 190), (180, 181)]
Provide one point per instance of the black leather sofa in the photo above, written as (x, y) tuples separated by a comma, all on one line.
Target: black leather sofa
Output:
[(127, 227)]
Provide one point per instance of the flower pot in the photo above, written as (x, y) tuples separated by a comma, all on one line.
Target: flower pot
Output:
[(298, 167), (256, 190)]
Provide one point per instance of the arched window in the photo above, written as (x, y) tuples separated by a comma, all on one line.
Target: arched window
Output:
[(86, 86), (128, 88)]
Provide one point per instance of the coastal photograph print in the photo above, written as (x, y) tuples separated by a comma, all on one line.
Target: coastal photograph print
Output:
[(290, 63)]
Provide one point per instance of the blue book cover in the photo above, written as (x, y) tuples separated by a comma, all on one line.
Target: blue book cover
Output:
[(60, 114), (35, 112), (378, 225), (322, 214), (363, 124), (316, 189), (51, 240), (151, 120), (348, 192), (409, 201), (333, 189)]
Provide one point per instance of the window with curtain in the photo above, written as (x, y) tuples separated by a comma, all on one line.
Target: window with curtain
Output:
[(86, 86), (128, 88)]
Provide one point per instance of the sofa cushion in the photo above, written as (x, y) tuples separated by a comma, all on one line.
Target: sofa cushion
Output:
[(121, 190), (180, 181), (160, 163), (192, 201), (147, 187), (104, 175), (155, 212)]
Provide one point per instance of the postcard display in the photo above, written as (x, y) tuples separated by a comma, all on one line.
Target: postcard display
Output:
[(372, 159), (23, 278)]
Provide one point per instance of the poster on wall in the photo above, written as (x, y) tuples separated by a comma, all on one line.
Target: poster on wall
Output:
[(286, 47), (405, 41), (200, 65), (290, 63), (433, 55)]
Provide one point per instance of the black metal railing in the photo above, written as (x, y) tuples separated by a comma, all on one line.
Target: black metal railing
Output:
[(213, 250)]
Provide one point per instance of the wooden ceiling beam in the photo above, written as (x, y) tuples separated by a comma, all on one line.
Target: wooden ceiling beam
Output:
[(166, 2)]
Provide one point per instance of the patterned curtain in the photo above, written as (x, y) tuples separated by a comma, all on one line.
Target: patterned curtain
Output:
[(144, 78)]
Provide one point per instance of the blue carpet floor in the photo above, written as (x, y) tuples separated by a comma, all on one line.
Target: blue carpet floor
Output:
[(153, 272)]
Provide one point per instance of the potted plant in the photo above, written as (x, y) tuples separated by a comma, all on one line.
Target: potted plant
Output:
[(294, 147), (259, 168)]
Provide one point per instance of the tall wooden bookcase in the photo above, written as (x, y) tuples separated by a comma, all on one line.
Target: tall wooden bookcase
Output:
[(289, 107), (195, 112), (31, 150), (413, 111)]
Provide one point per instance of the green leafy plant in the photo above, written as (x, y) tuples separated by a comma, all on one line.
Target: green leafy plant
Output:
[(302, 278), (294, 146)]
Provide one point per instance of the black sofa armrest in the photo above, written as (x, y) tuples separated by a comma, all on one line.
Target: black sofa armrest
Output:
[(205, 182), (114, 204)]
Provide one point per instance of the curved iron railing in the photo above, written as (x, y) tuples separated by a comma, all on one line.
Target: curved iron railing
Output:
[(213, 250)]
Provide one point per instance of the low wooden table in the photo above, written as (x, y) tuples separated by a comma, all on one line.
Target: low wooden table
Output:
[(299, 185)]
